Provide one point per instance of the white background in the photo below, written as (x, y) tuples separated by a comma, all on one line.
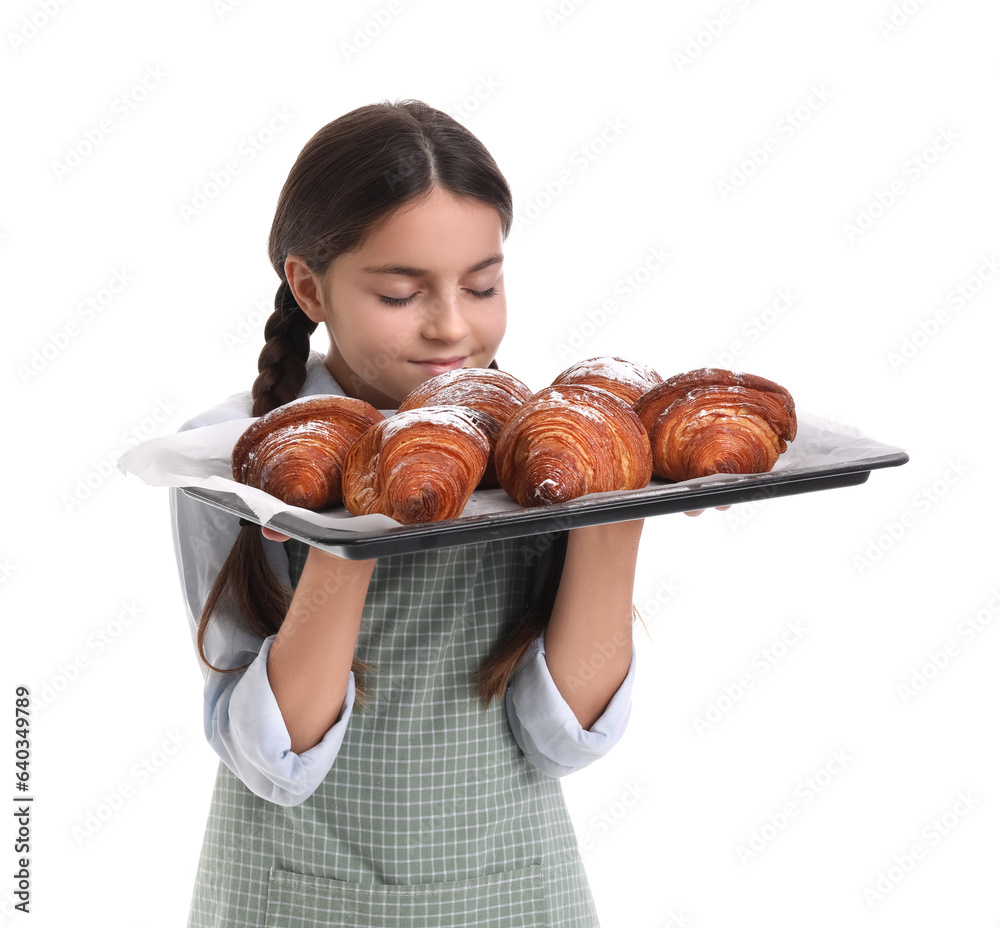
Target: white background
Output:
[(865, 583)]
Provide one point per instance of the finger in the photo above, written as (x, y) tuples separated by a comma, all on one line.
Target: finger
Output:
[(271, 535), (694, 512), (723, 508)]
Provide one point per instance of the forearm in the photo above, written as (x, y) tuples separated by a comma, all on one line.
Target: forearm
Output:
[(310, 659), (588, 642)]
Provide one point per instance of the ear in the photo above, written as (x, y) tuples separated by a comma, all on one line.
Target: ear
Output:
[(307, 288)]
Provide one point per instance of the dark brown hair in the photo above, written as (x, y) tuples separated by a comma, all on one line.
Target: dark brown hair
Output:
[(349, 178)]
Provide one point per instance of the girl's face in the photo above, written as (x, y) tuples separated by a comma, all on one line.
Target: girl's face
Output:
[(422, 295)]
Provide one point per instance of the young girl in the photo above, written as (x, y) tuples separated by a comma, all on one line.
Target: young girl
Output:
[(391, 732)]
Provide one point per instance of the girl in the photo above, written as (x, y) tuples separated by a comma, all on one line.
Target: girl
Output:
[(391, 733)]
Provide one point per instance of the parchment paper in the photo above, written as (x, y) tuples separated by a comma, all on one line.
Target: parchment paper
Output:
[(201, 458)]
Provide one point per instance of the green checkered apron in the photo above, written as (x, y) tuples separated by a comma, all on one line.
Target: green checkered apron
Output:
[(430, 815)]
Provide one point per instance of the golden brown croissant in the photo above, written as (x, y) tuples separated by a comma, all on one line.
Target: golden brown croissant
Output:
[(712, 421), (779, 400), (570, 440), (296, 452), (420, 465), (495, 394), (625, 379)]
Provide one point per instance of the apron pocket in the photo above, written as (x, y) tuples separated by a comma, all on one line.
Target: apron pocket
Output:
[(502, 900)]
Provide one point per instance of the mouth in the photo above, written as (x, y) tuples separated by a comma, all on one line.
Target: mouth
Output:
[(440, 365)]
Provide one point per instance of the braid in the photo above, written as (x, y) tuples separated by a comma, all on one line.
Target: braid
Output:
[(282, 361), (246, 577)]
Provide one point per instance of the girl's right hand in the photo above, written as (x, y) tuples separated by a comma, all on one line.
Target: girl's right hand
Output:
[(271, 535)]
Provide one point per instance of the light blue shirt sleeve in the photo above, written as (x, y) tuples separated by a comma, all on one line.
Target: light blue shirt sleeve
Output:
[(242, 720), (544, 725)]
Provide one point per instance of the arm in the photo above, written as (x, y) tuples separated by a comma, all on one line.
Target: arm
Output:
[(588, 642), (571, 697), (242, 720), (309, 664)]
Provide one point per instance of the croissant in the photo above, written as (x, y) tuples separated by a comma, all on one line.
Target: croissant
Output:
[(626, 379), (570, 440), (779, 400), (420, 465), (495, 394), (296, 452), (713, 421)]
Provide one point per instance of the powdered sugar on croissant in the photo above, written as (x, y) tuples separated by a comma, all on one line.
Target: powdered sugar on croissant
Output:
[(710, 421), (296, 452), (420, 465), (492, 393), (571, 440), (626, 379)]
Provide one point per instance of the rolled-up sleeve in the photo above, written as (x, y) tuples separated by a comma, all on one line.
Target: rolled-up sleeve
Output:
[(242, 720), (244, 725), (544, 725)]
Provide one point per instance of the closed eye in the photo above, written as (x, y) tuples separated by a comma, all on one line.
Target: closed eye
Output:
[(398, 300), (484, 294)]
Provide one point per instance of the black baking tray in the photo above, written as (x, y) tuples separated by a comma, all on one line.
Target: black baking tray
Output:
[(660, 497)]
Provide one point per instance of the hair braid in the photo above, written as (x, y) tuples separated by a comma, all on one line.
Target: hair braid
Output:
[(282, 361), (260, 595)]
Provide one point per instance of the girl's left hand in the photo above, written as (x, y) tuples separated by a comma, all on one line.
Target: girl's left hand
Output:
[(698, 512)]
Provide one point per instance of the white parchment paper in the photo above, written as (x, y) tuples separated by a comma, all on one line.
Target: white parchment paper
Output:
[(201, 458)]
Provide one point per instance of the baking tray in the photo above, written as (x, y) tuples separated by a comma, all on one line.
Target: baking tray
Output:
[(659, 497)]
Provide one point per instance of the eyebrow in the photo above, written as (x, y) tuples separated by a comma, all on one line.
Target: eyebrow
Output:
[(405, 271)]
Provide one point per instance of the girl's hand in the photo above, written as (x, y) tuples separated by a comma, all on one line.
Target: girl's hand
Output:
[(271, 535), (698, 512)]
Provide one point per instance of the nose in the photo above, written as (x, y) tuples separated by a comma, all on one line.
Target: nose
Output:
[(444, 320)]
